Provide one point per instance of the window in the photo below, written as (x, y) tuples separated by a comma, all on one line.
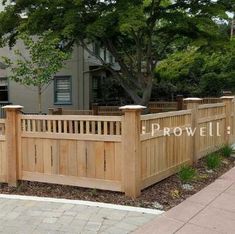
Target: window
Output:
[(96, 88), (63, 90), (3, 89), (96, 49)]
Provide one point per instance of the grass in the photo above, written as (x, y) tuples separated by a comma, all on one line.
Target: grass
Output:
[(213, 161), (226, 151), (187, 174)]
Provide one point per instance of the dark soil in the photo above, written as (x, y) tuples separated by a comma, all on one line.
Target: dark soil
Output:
[(168, 192)]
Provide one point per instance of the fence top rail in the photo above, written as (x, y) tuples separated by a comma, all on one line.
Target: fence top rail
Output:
[(165, 114), (207, 106), (162, 103), (2, 121), (65, 110), (73, 117)]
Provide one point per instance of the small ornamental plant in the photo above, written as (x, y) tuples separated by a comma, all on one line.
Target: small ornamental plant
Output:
[(213, 161), (187, 174), (226, 151)]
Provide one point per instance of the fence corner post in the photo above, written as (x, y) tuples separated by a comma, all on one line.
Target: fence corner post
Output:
[(193, 103), (131, 150), (12, 141), (227, 100)]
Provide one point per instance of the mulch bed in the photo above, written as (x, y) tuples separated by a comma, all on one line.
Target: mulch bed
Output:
[(168, 192)]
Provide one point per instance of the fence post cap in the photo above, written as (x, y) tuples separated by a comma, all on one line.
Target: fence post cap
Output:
[(227, 97), (192, 99), (12, 107), (132, 107)]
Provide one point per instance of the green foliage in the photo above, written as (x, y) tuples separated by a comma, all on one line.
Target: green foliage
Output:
[(39, 63), (187, 174), (200, 73), (226, 151), (213, 161)]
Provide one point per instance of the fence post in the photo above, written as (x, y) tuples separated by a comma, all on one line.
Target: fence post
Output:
[(180, 102), (95, 108), (12, 142), (193, 103), (227, 100), (131, 150)]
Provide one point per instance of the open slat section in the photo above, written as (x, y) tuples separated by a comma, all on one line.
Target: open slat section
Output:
[(72, 127), (164, 151)]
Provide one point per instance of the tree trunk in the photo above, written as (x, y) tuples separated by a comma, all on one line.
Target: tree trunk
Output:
[(40, 99), (146, 93)]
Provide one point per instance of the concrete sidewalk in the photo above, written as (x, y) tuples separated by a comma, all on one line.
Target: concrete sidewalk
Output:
[(210, 211)]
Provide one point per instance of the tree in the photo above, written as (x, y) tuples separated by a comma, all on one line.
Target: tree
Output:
[(138, 33), (38, 64), (200, 73)]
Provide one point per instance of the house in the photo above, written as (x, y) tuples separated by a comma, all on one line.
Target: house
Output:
[(74, 87)]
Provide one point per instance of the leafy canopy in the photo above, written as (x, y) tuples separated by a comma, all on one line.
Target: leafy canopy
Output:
[(138, 33), (202, 73)]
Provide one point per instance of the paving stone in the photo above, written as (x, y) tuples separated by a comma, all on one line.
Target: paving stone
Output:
[(27, 217)]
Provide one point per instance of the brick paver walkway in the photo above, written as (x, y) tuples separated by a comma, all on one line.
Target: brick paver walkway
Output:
[(27, 216), (211, 211)]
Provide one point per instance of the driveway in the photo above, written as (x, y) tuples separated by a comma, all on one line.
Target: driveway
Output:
[(20, 214)]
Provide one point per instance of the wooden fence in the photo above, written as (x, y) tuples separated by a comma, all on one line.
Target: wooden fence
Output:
[(120, 153), (3, 163), (154, 107)]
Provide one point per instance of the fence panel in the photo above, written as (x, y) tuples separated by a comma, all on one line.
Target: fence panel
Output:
[(75, 150), (3, 162), (163, 152), (233, 122), (109, 110), (211, 118), (157, 107)]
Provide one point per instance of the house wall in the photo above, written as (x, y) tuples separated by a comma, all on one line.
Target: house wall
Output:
[(77, 67), (27, 96)]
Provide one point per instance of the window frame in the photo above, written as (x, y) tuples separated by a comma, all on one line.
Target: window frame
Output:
[(56, 102), (7, 88)]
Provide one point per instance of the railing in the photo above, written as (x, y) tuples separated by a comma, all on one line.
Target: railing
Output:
[(72, 127)]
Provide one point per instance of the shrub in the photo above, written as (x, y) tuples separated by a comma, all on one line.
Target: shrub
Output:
[(226, 151), (213, 161), (187, 174)]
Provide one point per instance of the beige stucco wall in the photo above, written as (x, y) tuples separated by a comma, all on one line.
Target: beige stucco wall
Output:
[(27, 96)]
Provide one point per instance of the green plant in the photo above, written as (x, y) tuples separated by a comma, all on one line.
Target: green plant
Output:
[(187, 173), (93, 192), (226, 151), (213, 161)]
